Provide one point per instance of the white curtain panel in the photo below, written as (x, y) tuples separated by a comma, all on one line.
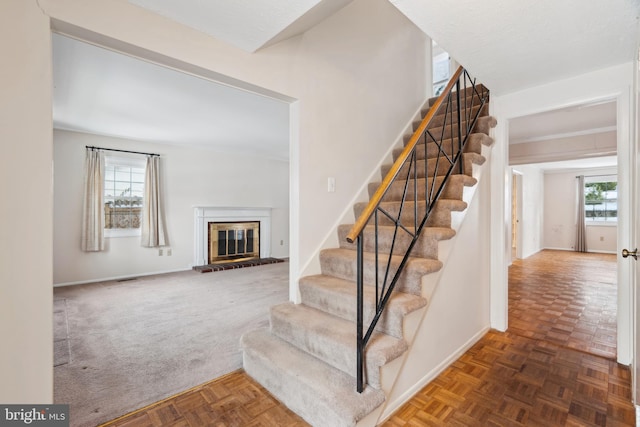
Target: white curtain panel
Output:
[(581, 229), (153, 228), (93, 204)]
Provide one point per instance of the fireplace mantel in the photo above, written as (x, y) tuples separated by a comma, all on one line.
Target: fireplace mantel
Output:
[(206, 214)]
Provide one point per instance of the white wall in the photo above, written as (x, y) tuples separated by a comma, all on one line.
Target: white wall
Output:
[(458, 313), (26, 368), (559, 217), (356, 77), (190, 177), (533, 209)]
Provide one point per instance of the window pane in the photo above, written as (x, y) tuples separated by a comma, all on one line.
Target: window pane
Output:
[(137, 176), (123, 195), (601, 201), (137, 188)]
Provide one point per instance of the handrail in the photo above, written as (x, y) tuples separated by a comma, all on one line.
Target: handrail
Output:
[(364, 217), (449, 145)]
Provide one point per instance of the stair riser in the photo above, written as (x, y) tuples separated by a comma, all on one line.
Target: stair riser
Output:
[(313, 390), (425, 247), (440, 215), (469, 93), (344, 306), (410, 280), (261, 371), (448, 146), (443, 164), (323, 347), (440, 118), (483, 125), (452, 190)]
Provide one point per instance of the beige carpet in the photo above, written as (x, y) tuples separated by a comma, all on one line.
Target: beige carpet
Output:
[(120, 346)]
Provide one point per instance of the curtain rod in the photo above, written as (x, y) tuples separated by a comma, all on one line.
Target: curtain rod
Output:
[(593, 176), (121, 151)]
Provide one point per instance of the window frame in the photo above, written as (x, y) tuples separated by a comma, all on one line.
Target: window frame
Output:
[(123, 160), (604, 221)]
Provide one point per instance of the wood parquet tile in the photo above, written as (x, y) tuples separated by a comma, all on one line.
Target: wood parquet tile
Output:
[(554, 367)]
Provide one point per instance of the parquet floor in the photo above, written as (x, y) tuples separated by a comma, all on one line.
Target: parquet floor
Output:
[(566, 298), (554, 367)]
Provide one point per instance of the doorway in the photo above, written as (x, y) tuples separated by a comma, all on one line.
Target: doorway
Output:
[(595, 90)]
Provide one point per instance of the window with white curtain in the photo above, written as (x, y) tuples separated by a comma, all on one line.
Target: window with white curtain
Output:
[(601, 199), (123, 195)]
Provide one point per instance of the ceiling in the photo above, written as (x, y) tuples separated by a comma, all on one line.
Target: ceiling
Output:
[(247, 24), (107, 93), (514, 45)]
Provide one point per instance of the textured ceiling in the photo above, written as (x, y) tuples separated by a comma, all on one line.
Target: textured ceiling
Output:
[(511, 45)]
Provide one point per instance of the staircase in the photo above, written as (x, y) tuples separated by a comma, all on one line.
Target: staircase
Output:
[(307, 358)]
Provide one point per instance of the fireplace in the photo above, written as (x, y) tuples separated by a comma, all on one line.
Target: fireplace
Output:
[(233, 241), (204, 215)]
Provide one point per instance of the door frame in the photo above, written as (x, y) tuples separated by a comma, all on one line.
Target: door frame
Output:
[(516, 181), (610, 83)]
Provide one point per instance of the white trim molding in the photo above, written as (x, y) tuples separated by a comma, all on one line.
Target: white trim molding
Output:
[(205, 214)]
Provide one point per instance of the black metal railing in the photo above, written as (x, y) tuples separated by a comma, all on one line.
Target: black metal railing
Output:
[(458, 107)]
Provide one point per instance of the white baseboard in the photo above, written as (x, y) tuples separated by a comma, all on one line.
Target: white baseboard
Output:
[(572, 250), (392, 407), (107, 279)]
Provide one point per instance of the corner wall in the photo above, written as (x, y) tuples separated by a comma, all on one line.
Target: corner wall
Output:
[(26, 327), (190, 177)]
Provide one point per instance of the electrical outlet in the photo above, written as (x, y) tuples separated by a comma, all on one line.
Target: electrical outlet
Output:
[(169, 252), (160, 252), (281, 242)]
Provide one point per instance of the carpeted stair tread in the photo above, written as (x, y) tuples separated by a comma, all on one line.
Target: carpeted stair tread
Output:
[(473, 145), (333, 339), (453, 189), (338, 297), (440, 214), (441, 118), (319, 393), (443, 165), (425, 247), (341, 263), (464, 93), (482, 125)]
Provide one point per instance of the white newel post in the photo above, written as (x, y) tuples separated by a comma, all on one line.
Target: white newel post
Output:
[(206, 214)]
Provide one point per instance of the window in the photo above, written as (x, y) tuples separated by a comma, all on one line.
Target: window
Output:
[(441, 68), (601, 199), (123, 194)]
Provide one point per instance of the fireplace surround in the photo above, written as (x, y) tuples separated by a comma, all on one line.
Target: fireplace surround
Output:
[(203, 215)]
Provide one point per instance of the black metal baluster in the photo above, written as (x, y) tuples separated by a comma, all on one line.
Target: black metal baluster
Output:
[(360, 309)]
